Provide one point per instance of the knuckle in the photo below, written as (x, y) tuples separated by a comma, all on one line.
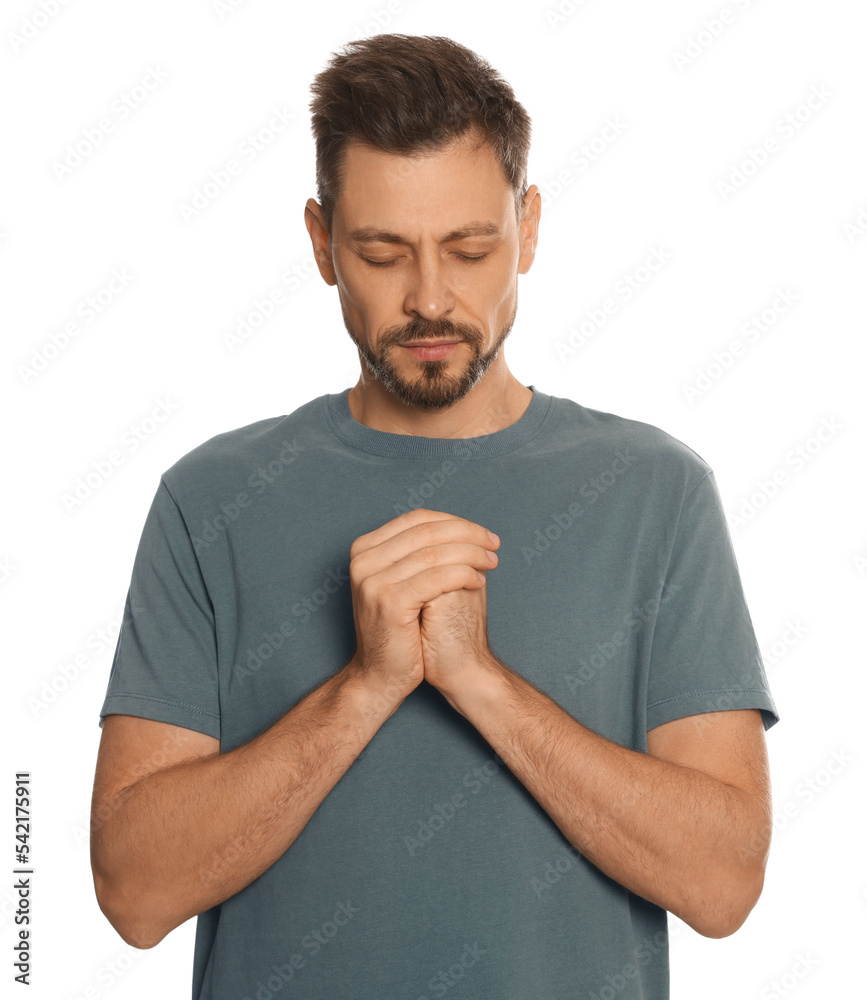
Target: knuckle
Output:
[(428, 554), (425, 530), (440, 574), (365, 590)]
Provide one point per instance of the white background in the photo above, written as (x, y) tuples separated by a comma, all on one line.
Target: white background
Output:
[(797, 222)]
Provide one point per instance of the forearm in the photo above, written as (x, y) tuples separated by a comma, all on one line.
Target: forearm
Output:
[(669, 833), (188, 837)]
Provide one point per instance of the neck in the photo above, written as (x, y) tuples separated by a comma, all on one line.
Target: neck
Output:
[(487, 408)]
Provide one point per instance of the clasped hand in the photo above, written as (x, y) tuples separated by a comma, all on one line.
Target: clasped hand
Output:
[(419, 599)]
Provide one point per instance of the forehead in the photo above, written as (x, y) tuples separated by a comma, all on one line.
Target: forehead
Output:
[(432, 190)]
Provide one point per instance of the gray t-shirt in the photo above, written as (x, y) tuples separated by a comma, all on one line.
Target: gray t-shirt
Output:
[(430, 870)]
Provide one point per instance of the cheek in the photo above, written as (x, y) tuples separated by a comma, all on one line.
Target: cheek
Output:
[(479, 287), (494, 292), (360, 290)]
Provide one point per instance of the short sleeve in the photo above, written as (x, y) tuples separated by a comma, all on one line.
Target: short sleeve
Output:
[(704, 655), (165, 661)]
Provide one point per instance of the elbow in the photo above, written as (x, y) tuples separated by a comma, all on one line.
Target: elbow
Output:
[(725, 912), (725, 903), (126, 914), (127, 894)]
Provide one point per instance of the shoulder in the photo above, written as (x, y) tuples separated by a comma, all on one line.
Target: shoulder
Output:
[(225, 463), (659, 460)]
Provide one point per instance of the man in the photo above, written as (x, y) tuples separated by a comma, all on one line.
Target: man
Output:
[(439, 685)]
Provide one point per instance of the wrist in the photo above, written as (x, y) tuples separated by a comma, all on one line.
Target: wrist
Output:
[(374, 699), (479, 684)]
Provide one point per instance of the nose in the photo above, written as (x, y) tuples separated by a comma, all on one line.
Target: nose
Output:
[(429, 294)]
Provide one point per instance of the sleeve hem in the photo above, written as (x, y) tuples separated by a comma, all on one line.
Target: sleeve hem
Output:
[(161, 710), (699, 702)]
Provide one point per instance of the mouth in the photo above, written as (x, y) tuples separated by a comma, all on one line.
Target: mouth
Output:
[(434, 350)]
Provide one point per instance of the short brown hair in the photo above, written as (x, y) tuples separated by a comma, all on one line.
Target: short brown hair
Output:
[(409, 94)]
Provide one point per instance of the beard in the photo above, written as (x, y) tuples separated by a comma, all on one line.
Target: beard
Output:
[(433, 385)]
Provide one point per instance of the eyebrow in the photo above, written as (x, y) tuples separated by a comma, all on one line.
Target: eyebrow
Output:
[(367, 234)]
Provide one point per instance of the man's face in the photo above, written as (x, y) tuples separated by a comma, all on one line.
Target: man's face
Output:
[(411, 265)]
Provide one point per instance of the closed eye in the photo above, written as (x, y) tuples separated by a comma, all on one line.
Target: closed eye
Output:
[(389, 263)]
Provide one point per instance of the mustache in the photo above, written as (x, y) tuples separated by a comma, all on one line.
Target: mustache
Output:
[(441, 330)]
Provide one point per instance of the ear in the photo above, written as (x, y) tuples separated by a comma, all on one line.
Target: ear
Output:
[(528, 232), (315, 223)]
